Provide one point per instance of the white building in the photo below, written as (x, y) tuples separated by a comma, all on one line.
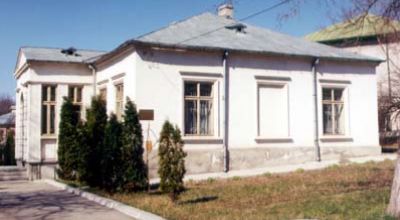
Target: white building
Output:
[(243, 96), (376, 36)]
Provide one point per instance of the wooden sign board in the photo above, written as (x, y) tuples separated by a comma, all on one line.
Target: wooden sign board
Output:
[(146, 114)]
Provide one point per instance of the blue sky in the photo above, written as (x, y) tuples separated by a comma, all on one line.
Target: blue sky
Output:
[(104, 24)]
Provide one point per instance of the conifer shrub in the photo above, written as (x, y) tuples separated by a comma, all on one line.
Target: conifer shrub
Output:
[(134, 167), (9, 149), (68, 145), (111, 158), (171, 161), (92, 151)]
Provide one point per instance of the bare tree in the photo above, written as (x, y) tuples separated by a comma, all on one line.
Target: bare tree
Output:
[(6, 101)]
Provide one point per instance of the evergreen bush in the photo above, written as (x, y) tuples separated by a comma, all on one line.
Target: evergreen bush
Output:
[(111, 158), (92, 151), (171, 161), (9, 149), (67, 141), (134, 168)]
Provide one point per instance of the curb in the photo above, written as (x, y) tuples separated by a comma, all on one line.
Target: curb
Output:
[(125, 209)]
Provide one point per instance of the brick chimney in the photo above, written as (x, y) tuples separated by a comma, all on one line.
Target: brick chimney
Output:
[(226, 10)]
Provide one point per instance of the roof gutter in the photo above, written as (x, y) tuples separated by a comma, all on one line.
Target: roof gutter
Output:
[(93, 69), (314, 65)]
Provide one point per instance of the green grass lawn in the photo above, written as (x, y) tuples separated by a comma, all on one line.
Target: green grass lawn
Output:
[(338, 192)]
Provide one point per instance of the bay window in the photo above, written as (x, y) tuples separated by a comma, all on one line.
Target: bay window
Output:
[(198, 108)]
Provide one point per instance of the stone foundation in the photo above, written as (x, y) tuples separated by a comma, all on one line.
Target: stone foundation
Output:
[(208, 161), (211, 160), (44, 170)]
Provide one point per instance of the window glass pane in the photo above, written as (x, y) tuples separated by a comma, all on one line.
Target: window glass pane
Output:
[(77, 111), (103, 94), (52, 119), (338, 94), (44, 93), (190, 117), (71, 93), (205, 89), (79, 94), (327, 118), (326, 94), (339, 119), (53, 93), (190, 89), (205, 117), (44, 119)]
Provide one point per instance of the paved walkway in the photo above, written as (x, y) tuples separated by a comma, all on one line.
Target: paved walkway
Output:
[(312, 165), (38, 200)]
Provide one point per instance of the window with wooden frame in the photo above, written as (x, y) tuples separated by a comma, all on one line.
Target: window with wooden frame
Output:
[(198, 108), (333, 111), (48, 109), (119, 100), (103, 94), (75, 95)]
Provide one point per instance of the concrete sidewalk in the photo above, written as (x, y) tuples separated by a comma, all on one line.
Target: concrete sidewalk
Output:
[(312, 165), (38, 200)]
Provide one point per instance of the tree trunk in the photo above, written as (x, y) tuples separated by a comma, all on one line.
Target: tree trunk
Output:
[(394, 204)]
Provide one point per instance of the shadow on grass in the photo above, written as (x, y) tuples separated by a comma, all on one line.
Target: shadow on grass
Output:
[(199, 200)]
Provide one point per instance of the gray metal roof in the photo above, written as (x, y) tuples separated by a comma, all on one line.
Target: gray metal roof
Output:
[(54, 54), (7, 119), (210, 31)]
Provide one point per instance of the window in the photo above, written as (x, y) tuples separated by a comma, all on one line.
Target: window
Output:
[(198, 101), (103, 94), (333, 111), (48, 109), (75, 94), (273, 111), (119, 100)]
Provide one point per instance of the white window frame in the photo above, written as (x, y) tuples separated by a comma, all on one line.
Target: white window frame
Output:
[(75, 101), (199, 98), (119, 101), (48, 103), (335, 84)]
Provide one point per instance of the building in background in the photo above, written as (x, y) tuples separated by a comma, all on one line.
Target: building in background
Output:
[(7, 124), (243, 96), (376, 36)]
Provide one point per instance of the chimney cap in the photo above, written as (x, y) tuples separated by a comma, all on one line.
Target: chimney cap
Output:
[(226, 10)]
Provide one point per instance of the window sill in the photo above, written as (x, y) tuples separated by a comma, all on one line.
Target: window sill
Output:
[(336, 138), (48, 137), (261, 140), (202, 140)]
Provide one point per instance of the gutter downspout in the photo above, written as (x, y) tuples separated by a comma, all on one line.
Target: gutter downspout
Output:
[(316, 121), (226, 109), (93, 68)]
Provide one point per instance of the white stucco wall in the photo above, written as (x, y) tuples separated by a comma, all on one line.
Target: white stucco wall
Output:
[(159, 77), (39, 148), (118, 70)]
